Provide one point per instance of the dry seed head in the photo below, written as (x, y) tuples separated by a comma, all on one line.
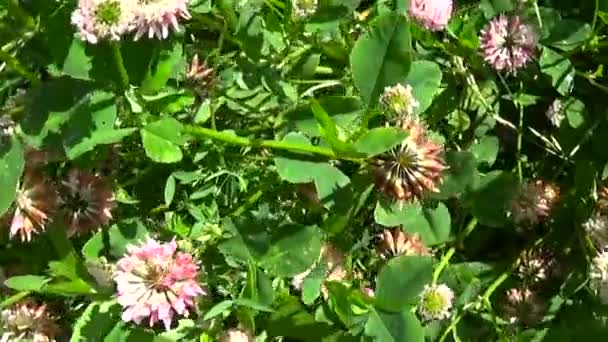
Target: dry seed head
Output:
[(28, 320), (412, 168), (534, 202), (395, 243), (524, 306)]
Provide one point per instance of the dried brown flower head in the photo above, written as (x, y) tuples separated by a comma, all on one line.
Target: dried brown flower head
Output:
[(200, 76), (35, 202), (534, 202), (395, 242), (537, 265), (602, 199), (524, 306), (28, 321), (412, 168), (87, 201)]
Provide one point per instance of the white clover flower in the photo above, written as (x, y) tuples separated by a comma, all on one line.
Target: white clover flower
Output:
[(555, 113), (98, 20), (154, 18), (599, 275), (435, 302), (399, 100), (597, 227), (304, 8)]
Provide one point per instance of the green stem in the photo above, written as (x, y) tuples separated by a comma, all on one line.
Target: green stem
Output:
[(233, 139), (16, 66), (445, 260), (120, 66), (520, 134), (14, 299), (250, 201)]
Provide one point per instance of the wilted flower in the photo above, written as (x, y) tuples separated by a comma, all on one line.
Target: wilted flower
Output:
[(28, 321), (523, 305), (200, 76), (597, 227), (599, 275), (411, 168), (536, 265), (555, 113), (155, 17), (435, 302), (534, 202), (399, 100), (332, 260), (103, 19), (304, 8), (602, 199), (36, 200), (236, 335), (432, 14), (395, 242), (156, 283), (87, 201), (368, 291), (507, 43)]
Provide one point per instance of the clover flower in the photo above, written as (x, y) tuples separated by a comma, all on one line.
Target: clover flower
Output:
[(97, 20), (36, 200), (395, 242), (236, 335), (154, 18), (524, 306), (508, 43), (200, 76), (534, 202), (555, 113), (597, 228), (413, 167), (28, 320), (87, 201), (536, 265), (435, 302), (156, 283), (7, 127), (598, 274), (304, 8), (433, 15), (399, 100)]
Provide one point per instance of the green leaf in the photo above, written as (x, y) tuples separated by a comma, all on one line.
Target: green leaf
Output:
[(433, 225), (77, 64), (492, 8), (218, 309), (568, 34), (575, 112), (96, 321), (293, 250), (124, 233), (328, 129), (459, 176), (379, 140), (93, 248), (490, 197), (259, 286), (311, 286), (401, 281), (169, 190), (11, 168), (486, 150), (559, 68), (203, 113), (297, 168), (100, 137), (381, 57), (384, 326), (343, 110), (161, 67), (425, 79), (161, 140), (27, 283)]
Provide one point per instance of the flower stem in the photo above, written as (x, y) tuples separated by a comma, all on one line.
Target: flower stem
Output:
[(233, 139), (120, 66), (445, 260), (520, 134)]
